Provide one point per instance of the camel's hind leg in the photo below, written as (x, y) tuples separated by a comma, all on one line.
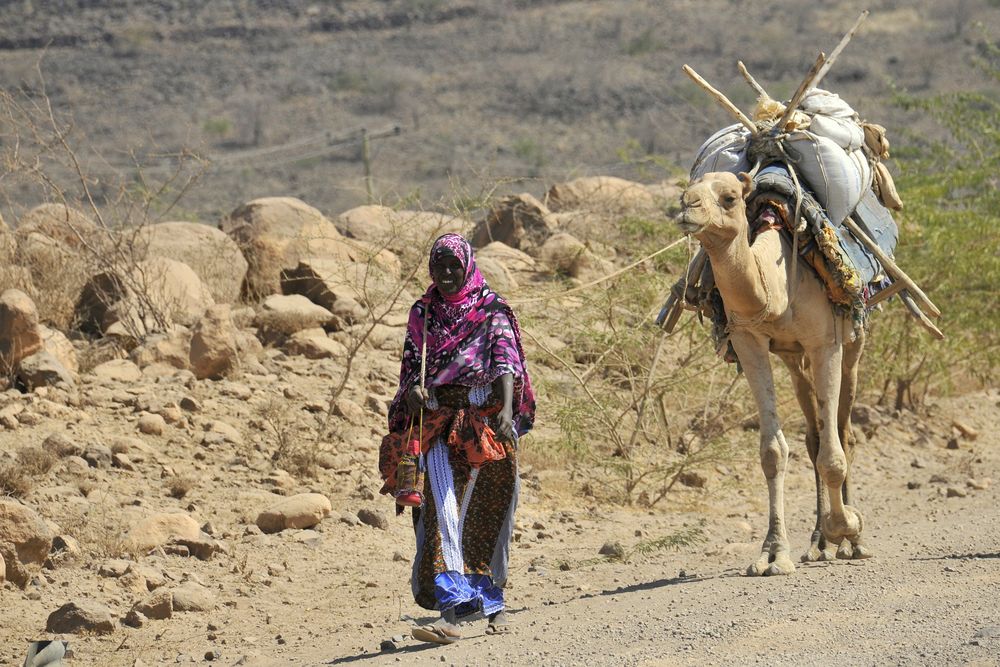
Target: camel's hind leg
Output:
[(848, 391), (754, 357), (842, 522), (818, 550)]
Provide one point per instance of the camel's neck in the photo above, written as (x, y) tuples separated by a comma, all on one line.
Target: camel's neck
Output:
[(750, 279)]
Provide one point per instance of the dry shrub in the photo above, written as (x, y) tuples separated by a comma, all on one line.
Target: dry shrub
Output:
[(14, 481), (179, 486), (35, 461)]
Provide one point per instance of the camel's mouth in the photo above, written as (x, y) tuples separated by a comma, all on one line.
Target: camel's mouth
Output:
[(687, 225)]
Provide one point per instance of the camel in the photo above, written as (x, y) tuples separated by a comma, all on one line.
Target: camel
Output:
[(772, 307)]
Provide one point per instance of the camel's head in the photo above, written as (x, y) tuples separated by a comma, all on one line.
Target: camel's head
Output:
[(714, 205)]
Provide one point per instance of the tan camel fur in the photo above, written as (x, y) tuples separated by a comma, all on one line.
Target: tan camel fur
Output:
[(768, 312)]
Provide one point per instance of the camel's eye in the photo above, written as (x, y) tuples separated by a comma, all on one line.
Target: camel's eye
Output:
[(728, 201)]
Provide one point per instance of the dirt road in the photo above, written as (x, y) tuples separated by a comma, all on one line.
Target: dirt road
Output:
[(931, 594)]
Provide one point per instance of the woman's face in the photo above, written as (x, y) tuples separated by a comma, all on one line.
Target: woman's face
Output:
[(448, 274)]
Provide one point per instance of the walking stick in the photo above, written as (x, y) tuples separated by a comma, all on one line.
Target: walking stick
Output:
[(409, 475)]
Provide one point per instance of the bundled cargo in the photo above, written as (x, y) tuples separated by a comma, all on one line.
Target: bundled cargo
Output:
[(816, 157)]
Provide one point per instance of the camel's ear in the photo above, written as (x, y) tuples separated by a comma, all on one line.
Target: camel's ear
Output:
[(747, 182)]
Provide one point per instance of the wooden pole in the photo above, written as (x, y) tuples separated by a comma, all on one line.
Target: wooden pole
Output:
[(367, 160), (891, 268), (752, 81), (807, 83), (907, 300), (721, 99)]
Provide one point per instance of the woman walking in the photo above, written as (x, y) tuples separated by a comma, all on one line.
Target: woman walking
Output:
[(468, 412)]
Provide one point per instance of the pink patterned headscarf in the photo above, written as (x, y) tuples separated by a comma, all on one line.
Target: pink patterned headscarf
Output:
[(472, 338)]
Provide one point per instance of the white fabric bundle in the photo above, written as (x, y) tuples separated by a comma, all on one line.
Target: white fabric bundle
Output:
[(828, 156)]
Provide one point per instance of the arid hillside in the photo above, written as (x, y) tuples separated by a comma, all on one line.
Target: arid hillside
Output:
[(481, 91)]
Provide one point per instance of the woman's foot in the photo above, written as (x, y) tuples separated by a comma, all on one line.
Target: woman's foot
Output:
[(496, 624), (442, 631)]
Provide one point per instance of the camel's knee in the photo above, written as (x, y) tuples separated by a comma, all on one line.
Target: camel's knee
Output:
[(833, 468), (773, 455)]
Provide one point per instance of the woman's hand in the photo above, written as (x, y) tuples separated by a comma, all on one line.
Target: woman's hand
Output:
[(505, 425), (416, 398)]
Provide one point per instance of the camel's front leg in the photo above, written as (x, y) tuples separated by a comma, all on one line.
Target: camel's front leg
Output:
[(753, 354), (806, 396), (842, 522)]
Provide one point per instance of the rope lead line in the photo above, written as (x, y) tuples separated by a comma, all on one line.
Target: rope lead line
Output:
[(578, 288)]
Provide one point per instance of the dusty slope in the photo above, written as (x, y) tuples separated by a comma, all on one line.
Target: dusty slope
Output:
[(333, 594)]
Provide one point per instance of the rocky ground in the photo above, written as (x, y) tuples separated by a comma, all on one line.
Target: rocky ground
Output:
[(337, 592)]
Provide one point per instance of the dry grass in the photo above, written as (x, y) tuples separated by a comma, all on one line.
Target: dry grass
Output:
[(14, 482), (179, 486)]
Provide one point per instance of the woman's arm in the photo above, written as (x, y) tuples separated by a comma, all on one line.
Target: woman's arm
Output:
[(505, 428)]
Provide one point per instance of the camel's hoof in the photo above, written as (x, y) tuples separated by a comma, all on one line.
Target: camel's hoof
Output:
[(847, 527), (819, 549), (816, 554), (769, 564), (851, 551)]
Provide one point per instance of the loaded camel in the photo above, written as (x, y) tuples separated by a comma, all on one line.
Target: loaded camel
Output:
[(770, 307)]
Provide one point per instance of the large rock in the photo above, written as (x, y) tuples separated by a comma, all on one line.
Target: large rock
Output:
[(513, 259), (315, 344), (55, 343), (43, 370), (159, 529), (25, 531), (148, 297), (81, 617), (117, 370), (58, 222), (520, 221), (337, 286), (607, 194), (399, 231), (290, 313), (191, 596), (304, 510), (497, 275), (20, 333), (274, 233), (57, 245), (158, 606), (170, 348), (214, 350), (209, 251), (566, 254)]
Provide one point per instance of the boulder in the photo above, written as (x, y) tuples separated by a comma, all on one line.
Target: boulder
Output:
[(496, 274), (606, 194), (274, 233), (566, 254), (210, 252), (159, 529), (158, 606), (55, 343), (519, 221), (117, 370), (304, 510), (60, 223), (339, 287), (315, 344), (290, 313), (81, 616), (20, 332), (149, 297), (399, 231), (61, 445), (25, 532), (43, 370), (170, 348), (50, 244), (191, 596), (513, 259), (214, 350)]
